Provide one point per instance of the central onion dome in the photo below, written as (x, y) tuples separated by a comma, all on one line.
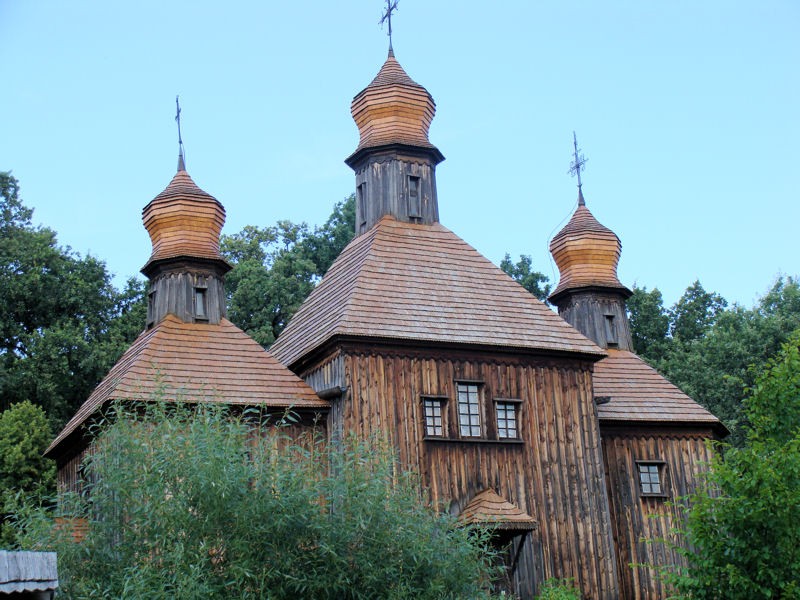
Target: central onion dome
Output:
[(183, 221), (393, 109), (587, 254)]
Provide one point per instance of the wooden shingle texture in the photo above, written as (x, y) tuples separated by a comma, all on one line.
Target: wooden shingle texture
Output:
[(422, 282), (489, 508), (197, 362), (393, 109), (183, 220), (586, 252), (639, 393)]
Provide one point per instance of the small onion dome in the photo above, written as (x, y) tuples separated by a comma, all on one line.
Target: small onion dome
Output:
[(587, 254), (183, 221), (393, 109)]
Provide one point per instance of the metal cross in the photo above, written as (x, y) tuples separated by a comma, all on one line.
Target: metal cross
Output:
[(578, 163), (181, 165), (391, 6)]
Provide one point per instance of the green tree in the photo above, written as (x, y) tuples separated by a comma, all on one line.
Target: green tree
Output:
[(694, 313), (275, 269), (522, 272), (190, 504), (24, 436), (742, 524), (649, 323), (56, 311)]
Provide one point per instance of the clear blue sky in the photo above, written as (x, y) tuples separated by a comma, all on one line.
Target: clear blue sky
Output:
[(686, 110)]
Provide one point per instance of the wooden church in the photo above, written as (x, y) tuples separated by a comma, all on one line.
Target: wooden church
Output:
[(544, 426)]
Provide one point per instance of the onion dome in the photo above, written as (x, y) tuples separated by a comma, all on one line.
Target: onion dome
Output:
[(587, 254), (393, 109), (183, 221)]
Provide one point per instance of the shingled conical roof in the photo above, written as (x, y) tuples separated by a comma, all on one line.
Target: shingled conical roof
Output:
[(393, 109), (587, 254), (422, 282), (183, 221)]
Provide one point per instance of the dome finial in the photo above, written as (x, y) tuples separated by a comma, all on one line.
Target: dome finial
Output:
[(181, 160), (391, 6), (576, 166)]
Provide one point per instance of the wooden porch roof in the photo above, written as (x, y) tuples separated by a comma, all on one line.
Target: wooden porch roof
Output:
[(489, 508), (423, 283), (639, 393), (196, 362)]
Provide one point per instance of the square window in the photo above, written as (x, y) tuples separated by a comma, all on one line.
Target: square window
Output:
[(434, 422), (469, 410), (506, 413), (651, 478)]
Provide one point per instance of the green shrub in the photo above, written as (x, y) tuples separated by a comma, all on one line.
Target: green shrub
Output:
[(190, 504)]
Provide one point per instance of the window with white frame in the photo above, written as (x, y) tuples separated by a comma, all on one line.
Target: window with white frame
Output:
[(469, 410)]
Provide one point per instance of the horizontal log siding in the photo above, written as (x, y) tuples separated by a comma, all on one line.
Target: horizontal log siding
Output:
[(641, 522), (555, 474)]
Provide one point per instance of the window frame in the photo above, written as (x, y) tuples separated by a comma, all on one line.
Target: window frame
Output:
[(660, 471), (442, 400), (479, 403), (516, 404), (200, 291)]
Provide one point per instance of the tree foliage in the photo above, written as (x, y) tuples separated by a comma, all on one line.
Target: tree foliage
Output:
[(522, 272), (191, 504), (742, 525), (24, 436), (62, 323), (275, 268), (708, 349)]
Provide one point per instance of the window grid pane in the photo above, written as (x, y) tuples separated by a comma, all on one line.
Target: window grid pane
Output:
[(506, 419), (433, 417), (469, 417), (650, 479)]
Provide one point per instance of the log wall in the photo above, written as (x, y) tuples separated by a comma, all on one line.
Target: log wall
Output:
[(640, 522), (554, 471)]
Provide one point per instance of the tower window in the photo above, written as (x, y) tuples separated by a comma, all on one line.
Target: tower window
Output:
[(200, 305), (611, 330), (151, 308), (361, 203), (413, 197), (469, 410)]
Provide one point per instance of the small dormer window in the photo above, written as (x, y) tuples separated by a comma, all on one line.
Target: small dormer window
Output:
[(200, 304), (413, 197)]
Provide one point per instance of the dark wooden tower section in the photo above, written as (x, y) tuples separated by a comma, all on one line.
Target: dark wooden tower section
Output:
[(653, 435), (479, 387)]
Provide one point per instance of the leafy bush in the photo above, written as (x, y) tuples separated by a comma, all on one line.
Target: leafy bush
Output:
[(559, 589), (193, 504), (742, 524)]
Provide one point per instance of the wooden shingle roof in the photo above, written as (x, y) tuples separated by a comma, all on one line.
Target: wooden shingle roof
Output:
[(393, 109), (183, 220), (639, 393), (587, 253), (489, 508), (422, 282), (197, 362)]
